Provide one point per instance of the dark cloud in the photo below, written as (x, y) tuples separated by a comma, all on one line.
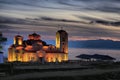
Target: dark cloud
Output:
[(7, 29), (100, 5), (100, 21), (32, 20), (46, 15), (51, 25), (104, 8), (4, 26), (61, 20), (11, 20), (106, 23)]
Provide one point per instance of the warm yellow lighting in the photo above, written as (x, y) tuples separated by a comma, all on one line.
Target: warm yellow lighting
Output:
[(50, 53), (54, 59), (19, 48), (28, 47), (49, 59), (20, 41), (25, 57), (19, 57), (45, 47), (40, 54), (59, 59), (65, 57), (57, 40)]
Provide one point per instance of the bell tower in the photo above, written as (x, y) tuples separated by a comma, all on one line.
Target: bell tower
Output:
[(62, 41), (18, 40)]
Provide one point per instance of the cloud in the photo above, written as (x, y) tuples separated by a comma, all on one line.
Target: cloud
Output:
[(4, 26), (55, 19), (64, 10), (11, 20), (99, 5), (93, 20), (106, 23), (46, 16), (45, 25), (29, 21), (73, 5)]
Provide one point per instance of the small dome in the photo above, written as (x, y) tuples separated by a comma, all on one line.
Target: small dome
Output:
[(18, 36), (34, 34), (60, 31)]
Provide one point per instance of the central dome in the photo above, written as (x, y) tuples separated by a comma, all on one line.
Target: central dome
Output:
[(34, 36), (60, 31)]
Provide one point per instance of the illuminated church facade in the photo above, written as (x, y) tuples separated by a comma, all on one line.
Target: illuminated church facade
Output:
[(36, 50)]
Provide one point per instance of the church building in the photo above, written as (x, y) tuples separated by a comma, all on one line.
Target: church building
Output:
[(34, 49)]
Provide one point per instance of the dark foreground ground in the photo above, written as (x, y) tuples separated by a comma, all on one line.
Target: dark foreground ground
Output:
[(105, 76), (61, 71)]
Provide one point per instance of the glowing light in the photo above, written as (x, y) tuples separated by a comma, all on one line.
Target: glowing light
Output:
[(57, 40), (54, 59), (49, 59), (65, 57), (59, 59), (50, 53), (45, 47), (20, 41), (28, 48), (19, 48)]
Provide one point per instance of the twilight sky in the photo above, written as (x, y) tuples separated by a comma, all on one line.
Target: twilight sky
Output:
[(82, 19)]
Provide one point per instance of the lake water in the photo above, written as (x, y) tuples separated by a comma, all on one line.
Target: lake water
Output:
[(77, 51)]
